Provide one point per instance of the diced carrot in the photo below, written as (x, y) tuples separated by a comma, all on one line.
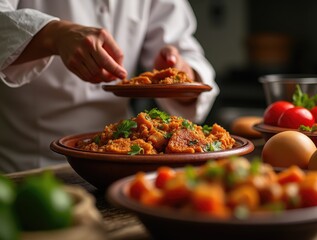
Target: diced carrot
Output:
[(142, 119), (139, 186), (244, 195), (210, 198), (271, 193), (176, 191), (152, 198), (163, 175), (308, 190), (291, 174)]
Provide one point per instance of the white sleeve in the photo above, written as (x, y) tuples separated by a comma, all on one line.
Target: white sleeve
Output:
[(17, 27), (173, 22)]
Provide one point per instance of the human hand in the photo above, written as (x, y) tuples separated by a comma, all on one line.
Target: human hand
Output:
[(90, 53), (169, 56)]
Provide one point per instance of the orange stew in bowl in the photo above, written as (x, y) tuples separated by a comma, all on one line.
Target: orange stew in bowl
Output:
[(154, 131), (227, 188)]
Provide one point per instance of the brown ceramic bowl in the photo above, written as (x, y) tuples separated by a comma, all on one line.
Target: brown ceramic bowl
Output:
[(268, 131), (166, 223), (102, 169)]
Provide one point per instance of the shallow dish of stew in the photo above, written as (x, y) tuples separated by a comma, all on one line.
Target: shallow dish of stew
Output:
[(222, 199), (145, 142), (101, 169), (166, 83)]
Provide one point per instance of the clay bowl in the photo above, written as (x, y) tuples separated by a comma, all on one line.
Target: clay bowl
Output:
[(268, 131), (102, 169), (168, 223)]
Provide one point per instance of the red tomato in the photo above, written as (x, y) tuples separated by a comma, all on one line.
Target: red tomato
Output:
[(296, 116), (273, 112), (314, 112)]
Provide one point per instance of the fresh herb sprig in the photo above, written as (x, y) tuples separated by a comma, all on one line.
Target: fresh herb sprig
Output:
[(96, 139), (207, 129), (135, 150), (155, 113), (307, 128), (124, 129), (213, 147), (301, 99), (187, 124)]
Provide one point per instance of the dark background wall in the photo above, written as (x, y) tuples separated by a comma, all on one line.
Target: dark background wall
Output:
[(245, 39)]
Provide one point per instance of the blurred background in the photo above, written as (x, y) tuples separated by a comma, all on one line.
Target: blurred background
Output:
[(244, 39)]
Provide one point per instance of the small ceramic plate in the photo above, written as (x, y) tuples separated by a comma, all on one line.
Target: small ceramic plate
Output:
[(182, 90), (268, 131)]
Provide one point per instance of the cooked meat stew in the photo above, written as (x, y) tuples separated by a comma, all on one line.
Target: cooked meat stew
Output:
[(154, 132)]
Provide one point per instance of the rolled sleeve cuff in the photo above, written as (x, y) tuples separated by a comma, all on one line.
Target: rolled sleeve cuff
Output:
[(18, 75), (18, 29)]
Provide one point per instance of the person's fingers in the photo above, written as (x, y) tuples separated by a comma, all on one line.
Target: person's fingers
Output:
[(83, 65), (78, 64), (99, 74), (91, 53), (112, 47), (171, 59), (105, 76), (104, 60), (167, 57), (91, 64), (109, 56), (170, 55)]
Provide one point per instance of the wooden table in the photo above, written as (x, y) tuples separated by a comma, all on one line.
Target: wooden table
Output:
[(118, 223)]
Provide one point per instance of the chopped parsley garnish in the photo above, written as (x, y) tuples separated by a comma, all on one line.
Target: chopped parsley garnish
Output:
[(124, 129), (155, 113), (303, 99), (238, 175), (213, 147), (168, 135), (96, 139), (307, 128), (136, 149), (187, 124), (255, 166), (193, 142), (214, 171), (191, 175), (207, 129)]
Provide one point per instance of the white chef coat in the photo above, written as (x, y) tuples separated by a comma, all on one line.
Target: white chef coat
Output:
[(42, 101)]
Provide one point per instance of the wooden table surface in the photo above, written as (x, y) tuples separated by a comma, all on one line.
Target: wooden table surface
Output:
[(118, 223)]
